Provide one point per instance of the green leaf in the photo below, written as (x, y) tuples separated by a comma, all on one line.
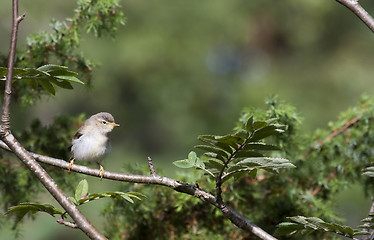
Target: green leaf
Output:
[(236, 172), (369, 172), (265, 132), (30, 207), (70, 79), (115, 195), (62, 84), (81, 190), (199, 163), (267, 163), (247, 154), (212, 163), (51, 67), (192, 157), (224, 143), (259, 124), (185, 163), (304, 225), (260, 146), (213, 149), (249, 124), (287, 229), (47, 86)]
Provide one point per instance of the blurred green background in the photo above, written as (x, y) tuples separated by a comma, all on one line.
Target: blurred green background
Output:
[(178, 69)]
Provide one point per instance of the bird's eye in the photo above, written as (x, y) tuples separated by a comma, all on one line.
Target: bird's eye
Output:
[(103, 122)]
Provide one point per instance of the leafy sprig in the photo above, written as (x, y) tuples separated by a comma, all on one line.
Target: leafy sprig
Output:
[(81, 197), (45, 76), (303, 226), (239, 154)]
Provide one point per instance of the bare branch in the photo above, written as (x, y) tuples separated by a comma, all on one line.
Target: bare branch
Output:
[(230, 213), (360, 12)]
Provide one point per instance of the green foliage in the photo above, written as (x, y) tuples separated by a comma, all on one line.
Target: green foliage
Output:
[(165, 213), (238, 154), (303, 226), (29, 207), (40, 64), (81, 197), (44, 76)]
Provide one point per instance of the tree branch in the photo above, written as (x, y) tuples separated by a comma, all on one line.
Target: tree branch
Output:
[(20, 151), (360, 12), (230, 213)]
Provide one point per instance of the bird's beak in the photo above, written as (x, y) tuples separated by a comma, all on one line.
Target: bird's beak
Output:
[(114, 124)]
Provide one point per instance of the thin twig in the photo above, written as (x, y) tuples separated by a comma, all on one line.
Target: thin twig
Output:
[(360, 12), (66, 223), (151, 168), (335, 133), (230, 213)]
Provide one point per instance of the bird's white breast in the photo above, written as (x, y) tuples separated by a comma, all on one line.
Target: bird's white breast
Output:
[(90, 147)]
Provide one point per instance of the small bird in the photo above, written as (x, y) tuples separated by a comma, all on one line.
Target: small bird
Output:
[(91, 142)]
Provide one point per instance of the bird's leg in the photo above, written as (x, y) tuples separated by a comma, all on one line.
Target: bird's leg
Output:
[(71, 164), (101, 172)]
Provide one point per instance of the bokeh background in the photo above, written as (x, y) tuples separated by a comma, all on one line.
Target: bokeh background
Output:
[(178, 69)]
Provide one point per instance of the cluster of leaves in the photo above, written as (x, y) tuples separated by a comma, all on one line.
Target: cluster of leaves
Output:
[(323, 170), (44, 77), (304, 226), (236, 155), (166, 215), (60, 45), (81, 197)]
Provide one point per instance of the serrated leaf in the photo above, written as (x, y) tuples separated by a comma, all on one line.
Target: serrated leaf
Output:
[(214, 164), (242, 134), (213, 149), (369, 172), (314, 224), (247, 154), (70, 79), (211, 155), (260, 146), (259, 124), (62, 84), (63, 72), (231, 171), (287, 228), (51, 67), (211, 139), (264, 133), (81, 190), (47, 86), (249, 124), (267, 163)]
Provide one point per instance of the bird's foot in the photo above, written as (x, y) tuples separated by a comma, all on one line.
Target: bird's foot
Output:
[(101, 172), (71, 164)]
